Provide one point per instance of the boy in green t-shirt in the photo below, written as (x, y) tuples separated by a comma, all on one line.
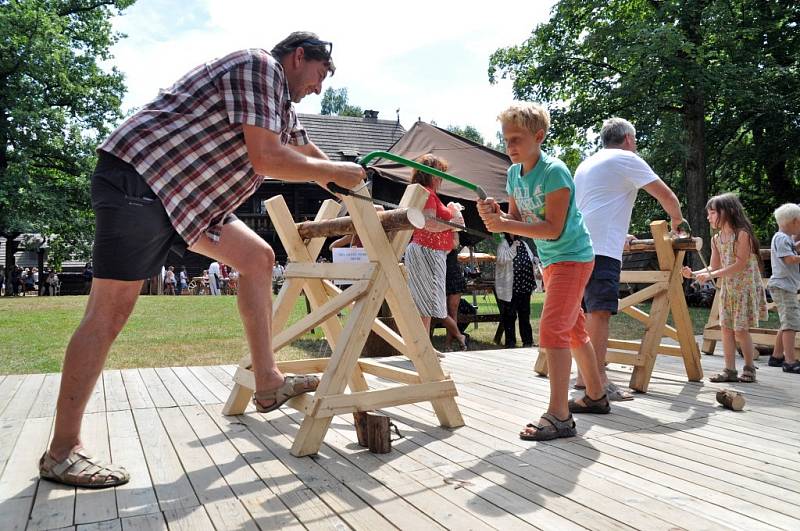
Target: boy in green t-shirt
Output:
[(542, 207)]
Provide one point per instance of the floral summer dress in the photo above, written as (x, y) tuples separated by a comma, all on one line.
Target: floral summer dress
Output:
[(742, 299)]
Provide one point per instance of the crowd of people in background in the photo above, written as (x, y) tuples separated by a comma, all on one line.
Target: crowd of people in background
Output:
[(28, 281)]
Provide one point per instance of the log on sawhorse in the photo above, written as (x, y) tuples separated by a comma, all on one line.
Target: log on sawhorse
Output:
[(666, 292), (372, 282)]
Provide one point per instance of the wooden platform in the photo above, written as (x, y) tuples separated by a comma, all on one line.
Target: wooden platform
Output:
[(669, 459)]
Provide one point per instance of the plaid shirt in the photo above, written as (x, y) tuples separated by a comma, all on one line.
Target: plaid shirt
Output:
[(188, 143)]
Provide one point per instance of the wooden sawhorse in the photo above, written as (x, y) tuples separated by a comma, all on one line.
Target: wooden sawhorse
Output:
[(666, 290), (373, 282)]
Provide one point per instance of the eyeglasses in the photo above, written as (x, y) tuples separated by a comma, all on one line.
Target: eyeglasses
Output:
[(316, 42)]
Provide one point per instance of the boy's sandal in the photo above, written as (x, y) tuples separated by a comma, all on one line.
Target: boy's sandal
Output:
[(776, 362), (793, 368), (600, 406), (617, 394), (556, 429), (293, 385), (80, 469), (748, 374), (727, 375)]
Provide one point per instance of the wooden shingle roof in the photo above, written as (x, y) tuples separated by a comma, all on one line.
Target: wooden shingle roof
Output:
[(345, 137)]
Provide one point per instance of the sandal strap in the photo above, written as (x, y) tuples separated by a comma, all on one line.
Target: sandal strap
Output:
[(557, 423), (292, 384)]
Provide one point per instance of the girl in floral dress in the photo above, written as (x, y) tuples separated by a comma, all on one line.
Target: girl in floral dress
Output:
[(735, 261)]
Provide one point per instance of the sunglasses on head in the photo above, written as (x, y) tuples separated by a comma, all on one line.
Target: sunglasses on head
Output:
[(316, 42)]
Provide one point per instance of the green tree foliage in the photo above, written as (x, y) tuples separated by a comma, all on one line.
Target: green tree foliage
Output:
[(55, 104), (335, 101), (468, 132), (711, 86)]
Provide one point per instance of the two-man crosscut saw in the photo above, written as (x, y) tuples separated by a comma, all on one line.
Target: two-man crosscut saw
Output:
[(335, 188)]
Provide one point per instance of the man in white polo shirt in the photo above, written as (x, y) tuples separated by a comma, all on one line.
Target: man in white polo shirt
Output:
[(606, 185)]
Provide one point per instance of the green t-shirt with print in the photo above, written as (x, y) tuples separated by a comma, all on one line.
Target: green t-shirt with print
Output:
[(529, 191)]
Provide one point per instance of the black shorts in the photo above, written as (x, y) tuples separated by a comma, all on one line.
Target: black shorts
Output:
[(133, 233), (602, 290)]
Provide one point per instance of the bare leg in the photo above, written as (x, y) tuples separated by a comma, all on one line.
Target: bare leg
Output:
[(745, 341), (559, 363), (586, 358), (426, 323), (107, 310), (452, 330), (597, 328), (253, 258), (780, 350), (788, 345), (452, 312), (729, 348)]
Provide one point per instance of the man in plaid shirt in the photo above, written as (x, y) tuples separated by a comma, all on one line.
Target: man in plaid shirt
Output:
[(172, 174)]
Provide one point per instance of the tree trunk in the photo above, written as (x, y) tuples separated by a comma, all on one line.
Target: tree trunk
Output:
[(695, 170)]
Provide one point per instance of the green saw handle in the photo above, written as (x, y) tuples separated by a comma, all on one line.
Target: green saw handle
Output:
[(422, 167)]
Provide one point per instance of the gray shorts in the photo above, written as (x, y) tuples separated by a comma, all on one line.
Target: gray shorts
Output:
[(788, 308)]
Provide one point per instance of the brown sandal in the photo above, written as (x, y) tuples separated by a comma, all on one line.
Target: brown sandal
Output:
[(727, 375), (80, 469), (293, 385), (554, 429), (748, 374)]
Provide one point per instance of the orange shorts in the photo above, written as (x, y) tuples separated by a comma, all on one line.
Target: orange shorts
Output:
[(563, 324)]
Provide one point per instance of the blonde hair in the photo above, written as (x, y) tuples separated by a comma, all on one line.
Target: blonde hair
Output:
[(531, 116), (786, 213)]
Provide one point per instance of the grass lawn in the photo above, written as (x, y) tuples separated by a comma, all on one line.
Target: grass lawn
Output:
[(175, 331)]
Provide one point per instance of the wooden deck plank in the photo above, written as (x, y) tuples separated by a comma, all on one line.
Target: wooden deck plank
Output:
[(22, 401), (158, 392), (8, 388), (231, 464), (779, 481), (188, 519), (266, 505), (721, 492), (230, 514), (108, 525), (95, 505), (686, 495), (18, 484), (180, 394), (360, 482), (138, 397), (45, 403), (561, 496), (137, 497), (116, 396), (172, 486), (206, 480), (403, 483), (328, 489), (217, 390), (332, 488), (199, 391), (147, 522), (97, 402)]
